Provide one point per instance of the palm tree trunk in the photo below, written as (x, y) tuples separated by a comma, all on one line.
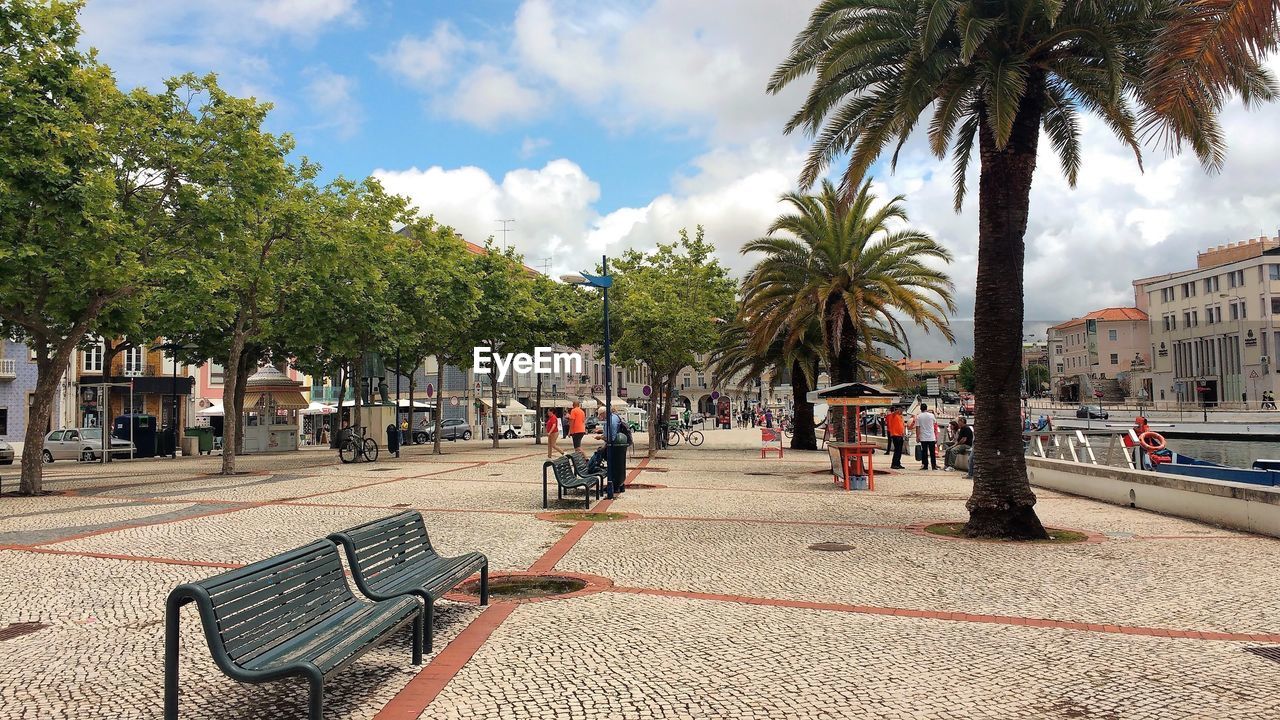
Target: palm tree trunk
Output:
[(805, 435), (1002, 504), (537, 417), (439, 409)]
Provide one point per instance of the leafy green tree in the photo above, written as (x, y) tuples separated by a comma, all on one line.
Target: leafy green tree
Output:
[(1037, 377), (994, 76), (742, 357), (431, 281), (664, 307), (968, 375), (96, 199), (559, 312), (506, 311)]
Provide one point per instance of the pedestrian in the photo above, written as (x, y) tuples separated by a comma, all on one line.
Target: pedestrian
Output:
[(768, 418), (577, 424), (896, 427), (688, 418), (753, 419), (553, 433), (963, 439), (927, 435), (1268, 400)]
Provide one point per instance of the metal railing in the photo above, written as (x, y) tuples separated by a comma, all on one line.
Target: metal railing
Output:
[(1092, 447)]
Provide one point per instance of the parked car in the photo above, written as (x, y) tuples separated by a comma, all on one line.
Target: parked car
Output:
[(6, 453), (450, 429), (1092, 412), (966, 406), (510, 432), (593, 423), (81, 444), (948, 397)]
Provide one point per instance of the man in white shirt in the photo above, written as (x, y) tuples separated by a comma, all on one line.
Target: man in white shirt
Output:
[(927, 435)]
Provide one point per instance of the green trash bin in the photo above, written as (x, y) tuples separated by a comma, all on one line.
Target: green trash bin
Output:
[(204, 436)]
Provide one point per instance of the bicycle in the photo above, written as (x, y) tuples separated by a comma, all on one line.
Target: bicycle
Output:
[(675, 435), (356, 445)]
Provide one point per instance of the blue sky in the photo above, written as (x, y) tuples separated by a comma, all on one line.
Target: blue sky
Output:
[(604, 125)]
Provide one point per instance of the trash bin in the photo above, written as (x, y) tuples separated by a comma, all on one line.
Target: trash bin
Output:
[(618, 462), (393, 439), (203, 437)]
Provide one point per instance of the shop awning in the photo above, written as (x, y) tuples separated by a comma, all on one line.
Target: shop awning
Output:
[(319, 408), (214, 410), (283, 400)]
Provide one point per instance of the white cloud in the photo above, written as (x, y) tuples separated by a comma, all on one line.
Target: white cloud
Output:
[(531, 146), (425, 61), (331, 97), (489, 95), (304, 16)]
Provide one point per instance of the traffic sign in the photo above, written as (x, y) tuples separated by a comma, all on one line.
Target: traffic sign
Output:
[(622, 392), (646, 391), (453, 401), (1097, 393), (1253, 374), (431, 390), (715, 394), (477, 387)]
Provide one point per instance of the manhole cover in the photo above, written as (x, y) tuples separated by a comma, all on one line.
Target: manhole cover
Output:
[(831, 547), (525, 587), (15, 630), (580, 516), (496, 474), (760, 473), (643, 486), (401, 505), (1270, 652), (380, 470)]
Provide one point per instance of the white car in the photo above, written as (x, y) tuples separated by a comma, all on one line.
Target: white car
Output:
[(81, 444), (510, 432), (6, 453)]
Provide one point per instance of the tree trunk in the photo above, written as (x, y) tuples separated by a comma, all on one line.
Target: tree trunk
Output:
[(537, 409), (358, 385), (804, 435), (439, 403), (493, 410), (248, 362), (230, 420), (1002, 504), (412, 428), (655, 403), (48, 372), (335, 423)]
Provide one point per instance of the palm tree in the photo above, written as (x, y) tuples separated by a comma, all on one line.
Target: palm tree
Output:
[(846, 268), (742, 356), (995, 74)]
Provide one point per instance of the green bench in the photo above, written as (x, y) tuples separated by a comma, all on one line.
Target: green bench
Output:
[(581, 463), (393, 558), (567, 478), (292, 615)]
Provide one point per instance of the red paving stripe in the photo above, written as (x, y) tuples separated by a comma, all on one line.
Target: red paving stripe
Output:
[(562, 547), (110, 556), (954, 616), (763, 521), (414, 697)]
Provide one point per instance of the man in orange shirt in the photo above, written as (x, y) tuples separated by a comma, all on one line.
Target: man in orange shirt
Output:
[(896, 429), (577, 424)]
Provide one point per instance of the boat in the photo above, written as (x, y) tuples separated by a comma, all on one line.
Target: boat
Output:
[(1263, 472)]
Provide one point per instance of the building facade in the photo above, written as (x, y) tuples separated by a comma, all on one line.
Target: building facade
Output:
[(1215, 329), (1093, 357)]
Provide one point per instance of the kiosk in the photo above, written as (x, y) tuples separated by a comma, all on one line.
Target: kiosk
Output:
[(852, 459), (271, 404)]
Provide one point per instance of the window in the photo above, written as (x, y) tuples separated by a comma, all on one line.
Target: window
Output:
[(133, 358), (4, 421), (1188, 290), (93, 358), (1275, 306), (217, 374), (1111, 335), (1115, 359), (1235, 311), (1273, 272), (1170, 322), (1059, 368), (1235, 278), (1166, 294), (1211, 284)]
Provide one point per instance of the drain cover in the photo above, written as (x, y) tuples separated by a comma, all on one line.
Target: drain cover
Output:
[(831, 547), (1269, 652), (401, 505), (15, 630)]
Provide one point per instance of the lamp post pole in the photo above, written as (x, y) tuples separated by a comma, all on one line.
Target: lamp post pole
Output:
[(608, 374)]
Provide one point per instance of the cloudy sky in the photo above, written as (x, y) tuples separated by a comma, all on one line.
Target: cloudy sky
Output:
[(601, 125)]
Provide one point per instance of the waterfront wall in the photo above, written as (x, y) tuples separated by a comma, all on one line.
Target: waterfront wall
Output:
[(1238, 506)]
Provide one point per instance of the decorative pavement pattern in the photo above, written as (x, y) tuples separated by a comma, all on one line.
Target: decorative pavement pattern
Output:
[(705, 599)]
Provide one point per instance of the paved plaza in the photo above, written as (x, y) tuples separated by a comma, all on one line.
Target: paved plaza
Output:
[(706, 600)]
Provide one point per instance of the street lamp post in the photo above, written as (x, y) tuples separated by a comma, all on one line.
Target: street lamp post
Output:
[(604, 282)]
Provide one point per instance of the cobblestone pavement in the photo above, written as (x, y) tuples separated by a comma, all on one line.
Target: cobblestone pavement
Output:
[(718, 607)]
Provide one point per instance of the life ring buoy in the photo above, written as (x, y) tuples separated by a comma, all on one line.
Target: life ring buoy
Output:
[(1151, 441)]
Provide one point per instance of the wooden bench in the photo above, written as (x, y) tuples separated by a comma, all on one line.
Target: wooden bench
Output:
[(567, 479), (292, 615), (393, 557)]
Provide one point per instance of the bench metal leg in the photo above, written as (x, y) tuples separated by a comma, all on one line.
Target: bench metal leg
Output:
[(315, 705), (171, 658), (484, 584), (417, 638), (430, 612), (586, 496)]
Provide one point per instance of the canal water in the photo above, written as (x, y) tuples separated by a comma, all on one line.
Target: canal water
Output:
[(1235, 453)]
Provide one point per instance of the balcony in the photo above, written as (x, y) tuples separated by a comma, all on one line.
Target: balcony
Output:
[(8, 369)]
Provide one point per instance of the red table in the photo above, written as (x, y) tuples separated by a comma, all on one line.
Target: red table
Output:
[(849, 459)]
